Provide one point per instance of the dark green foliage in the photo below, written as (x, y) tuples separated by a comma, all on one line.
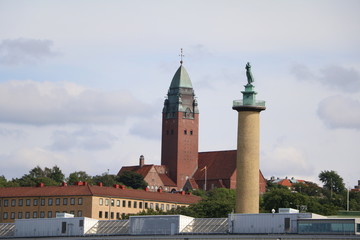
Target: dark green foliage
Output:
[(48, 176), (332, 181), (132, 179), (80, 176), (106, 179)]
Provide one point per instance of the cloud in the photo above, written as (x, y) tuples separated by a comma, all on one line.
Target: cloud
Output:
[(286, 161), (41, 103), (85, 138), (340, 112), (336, 77), (24, 50), (150, 129)]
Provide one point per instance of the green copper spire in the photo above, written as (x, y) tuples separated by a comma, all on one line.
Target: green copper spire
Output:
[(181, 79)]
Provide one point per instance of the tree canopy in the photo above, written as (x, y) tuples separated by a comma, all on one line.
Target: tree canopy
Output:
[(132, 179)]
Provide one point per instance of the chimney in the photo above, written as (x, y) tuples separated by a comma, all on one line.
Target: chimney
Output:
[(122, 186), (63, 184), (182, 192), (146, 189), (116, 185), (141, 160), (78, 183), (41, 184), (100, 184), (159, 190), (85, 183)]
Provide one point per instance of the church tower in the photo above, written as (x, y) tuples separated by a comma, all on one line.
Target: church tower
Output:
[(180, 127)]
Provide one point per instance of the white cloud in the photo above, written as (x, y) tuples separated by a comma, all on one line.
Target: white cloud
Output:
[(149, 128), (85, 138), (286, 161), (334, 77), (30, 102), (340, 112), (23, 50)]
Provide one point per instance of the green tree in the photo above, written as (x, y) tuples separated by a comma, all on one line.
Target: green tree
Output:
[(332, 181), (78, 176), (283, 198), (106, 179), (48, 176), (308, 188), (132, 179)]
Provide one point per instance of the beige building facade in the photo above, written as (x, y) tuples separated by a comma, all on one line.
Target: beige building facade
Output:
[(98, 202)]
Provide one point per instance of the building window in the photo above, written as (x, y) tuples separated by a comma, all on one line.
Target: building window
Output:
[(50, 202), (146, 205), (140, 205), (156, 206), (35, 214), (6, 203), (27, 215), (118, 203), (358, 227), (162, 206), (172, 206), (124, 203), (172, 131), (167, 207), (27, 202), (100, 214), (135, 204), (129, 204), (42, 202), (65, 201), (35, 203), (79, 214), (12, 216), (72, 212), (112, 215), (151, 205), (13, 202), (117, 215), (5, 215), (101, 201), (57, 201), (19, 215), (106, 215), (106, 202), (42, 214), (49, 214), (80, 201), (20, 203), (185, 131), (112, 202), (72, 201), (191, 132), (0, 202)]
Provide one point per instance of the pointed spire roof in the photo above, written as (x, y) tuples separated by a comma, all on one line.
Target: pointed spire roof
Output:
[(181, 79)]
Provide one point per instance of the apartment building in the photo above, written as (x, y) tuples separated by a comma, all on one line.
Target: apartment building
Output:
[(84, 200)]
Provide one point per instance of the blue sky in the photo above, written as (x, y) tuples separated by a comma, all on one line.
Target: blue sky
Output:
[(82, 83)]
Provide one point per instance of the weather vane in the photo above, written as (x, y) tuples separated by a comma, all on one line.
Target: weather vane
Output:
[(181, 56)]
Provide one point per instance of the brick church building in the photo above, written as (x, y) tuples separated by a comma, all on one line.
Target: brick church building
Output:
[(182, 166)]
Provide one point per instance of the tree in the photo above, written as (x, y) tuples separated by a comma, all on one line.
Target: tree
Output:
[(106, 179), (132, 179), (48, 176), (332, 181), (77, 177), (283, 198), (308, 188)]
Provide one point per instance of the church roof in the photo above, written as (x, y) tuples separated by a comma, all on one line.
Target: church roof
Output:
[(181, 79), (219, 164)]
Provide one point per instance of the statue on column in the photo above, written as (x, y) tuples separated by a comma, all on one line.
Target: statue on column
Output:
[(249, 76)]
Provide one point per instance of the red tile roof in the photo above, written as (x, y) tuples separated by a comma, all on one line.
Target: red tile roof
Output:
[(89, 190), (219, 164), (166, 180), (143, 171)]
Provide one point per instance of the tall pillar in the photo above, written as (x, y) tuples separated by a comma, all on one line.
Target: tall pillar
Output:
[(248, 148)]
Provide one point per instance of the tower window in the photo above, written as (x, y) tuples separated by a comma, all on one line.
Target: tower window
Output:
[(185, 131), (191, 132), (167, 132), (172, 132)]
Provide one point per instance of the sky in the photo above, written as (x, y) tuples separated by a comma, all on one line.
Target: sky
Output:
[(82, 83)]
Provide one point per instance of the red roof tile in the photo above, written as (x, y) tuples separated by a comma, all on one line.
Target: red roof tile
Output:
[(54, 191), (219, 164), (166, 180)]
